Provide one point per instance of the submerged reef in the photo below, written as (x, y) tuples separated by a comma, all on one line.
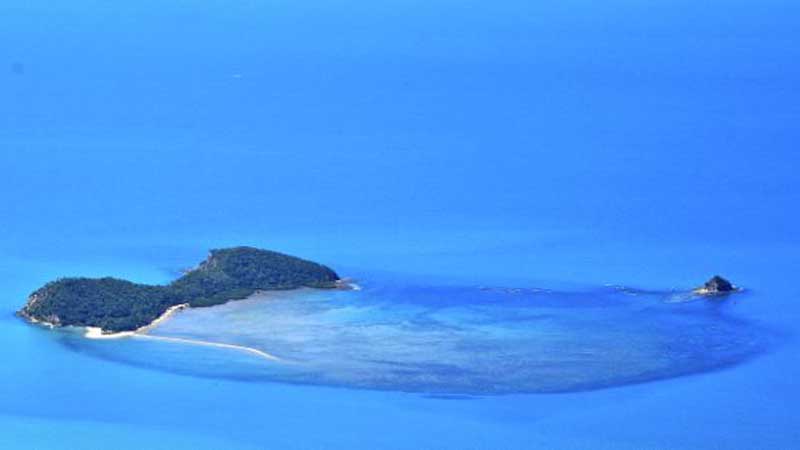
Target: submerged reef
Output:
[(447, 340), (118, 305)]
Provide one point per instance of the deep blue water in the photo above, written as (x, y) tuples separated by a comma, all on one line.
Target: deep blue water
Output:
[(428, 150)]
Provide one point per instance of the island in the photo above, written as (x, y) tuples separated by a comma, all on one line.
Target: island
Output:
[(716, 286), (113, 305)]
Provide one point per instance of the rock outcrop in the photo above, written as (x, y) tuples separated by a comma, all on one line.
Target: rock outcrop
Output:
[(716, 286)]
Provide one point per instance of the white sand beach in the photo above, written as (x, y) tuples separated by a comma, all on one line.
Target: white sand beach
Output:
[(242, 348), (167, 314), (142, 332), (98, 333)]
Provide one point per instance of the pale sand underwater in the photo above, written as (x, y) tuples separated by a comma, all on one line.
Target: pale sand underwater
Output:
[(453, 340), (142, 333)]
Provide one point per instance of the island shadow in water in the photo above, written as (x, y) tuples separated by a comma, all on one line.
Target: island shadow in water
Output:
[(451, 342)]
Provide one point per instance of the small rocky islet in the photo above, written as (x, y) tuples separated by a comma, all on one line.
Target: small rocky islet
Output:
[(116, 305), (716, 286)]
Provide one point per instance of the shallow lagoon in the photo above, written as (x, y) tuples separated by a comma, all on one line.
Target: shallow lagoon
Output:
[(452, 340)]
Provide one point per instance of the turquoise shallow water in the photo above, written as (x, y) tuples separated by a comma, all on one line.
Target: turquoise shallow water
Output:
[(427, 150), (452, 340)]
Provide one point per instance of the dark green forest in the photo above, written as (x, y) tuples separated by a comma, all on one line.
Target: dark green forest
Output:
[(119, 305)]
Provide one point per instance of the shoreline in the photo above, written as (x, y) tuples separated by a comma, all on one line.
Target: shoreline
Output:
[(167, 314), (142, 333), (347, 284), (99, 333), (706, 292)]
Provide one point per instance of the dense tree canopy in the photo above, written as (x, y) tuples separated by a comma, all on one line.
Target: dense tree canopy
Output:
[(119, 305)]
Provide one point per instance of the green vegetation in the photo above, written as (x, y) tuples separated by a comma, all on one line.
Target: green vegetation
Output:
[(119, 305)]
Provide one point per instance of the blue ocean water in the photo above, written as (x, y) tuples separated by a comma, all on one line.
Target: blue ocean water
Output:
[(427, 150)]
